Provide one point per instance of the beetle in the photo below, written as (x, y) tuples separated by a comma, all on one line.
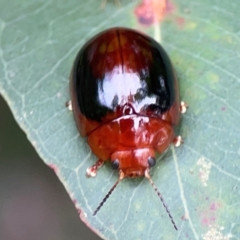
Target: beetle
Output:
[(125, 100)]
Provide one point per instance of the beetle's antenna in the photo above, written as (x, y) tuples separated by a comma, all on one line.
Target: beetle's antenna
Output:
[(160, 196), (121, 176)]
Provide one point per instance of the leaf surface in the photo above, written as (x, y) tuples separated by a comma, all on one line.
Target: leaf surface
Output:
[(199, 180)]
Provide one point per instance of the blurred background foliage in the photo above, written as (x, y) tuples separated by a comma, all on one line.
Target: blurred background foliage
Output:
[(33, 202)]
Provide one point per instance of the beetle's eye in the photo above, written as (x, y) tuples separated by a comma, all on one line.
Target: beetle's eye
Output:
[(151, 161), (115, 164)]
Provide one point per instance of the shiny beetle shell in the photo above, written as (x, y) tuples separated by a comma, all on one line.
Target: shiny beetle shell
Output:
[(125, 98)]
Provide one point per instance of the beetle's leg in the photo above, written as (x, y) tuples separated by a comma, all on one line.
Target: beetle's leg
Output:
[(92, 171), (177, 141), (183, 107), (69, 105)]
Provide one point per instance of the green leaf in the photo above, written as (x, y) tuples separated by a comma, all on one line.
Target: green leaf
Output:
[(199, 180)]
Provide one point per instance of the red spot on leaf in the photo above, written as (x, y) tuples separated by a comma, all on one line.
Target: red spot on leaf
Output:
[(75, 203), (208, 221), (149, 12), (180, 22), (184, 217), (76, 206), (209, 216), (170, 7), (223, 108), (215, 206), (53, 167)]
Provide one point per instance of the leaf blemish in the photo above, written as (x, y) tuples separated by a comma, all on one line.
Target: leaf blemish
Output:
[(204, 171), (53, 167)]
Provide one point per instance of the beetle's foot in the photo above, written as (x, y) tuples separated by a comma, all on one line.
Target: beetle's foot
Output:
[(69, 105), (92, 171), (177, 141), (183, 107)]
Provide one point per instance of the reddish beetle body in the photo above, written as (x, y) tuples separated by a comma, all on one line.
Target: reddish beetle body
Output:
[(125, 100)]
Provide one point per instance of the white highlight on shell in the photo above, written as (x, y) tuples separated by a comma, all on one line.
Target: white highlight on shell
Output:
[(123, 84)]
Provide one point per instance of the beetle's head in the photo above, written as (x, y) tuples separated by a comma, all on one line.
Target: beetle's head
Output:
[(134, 163)]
